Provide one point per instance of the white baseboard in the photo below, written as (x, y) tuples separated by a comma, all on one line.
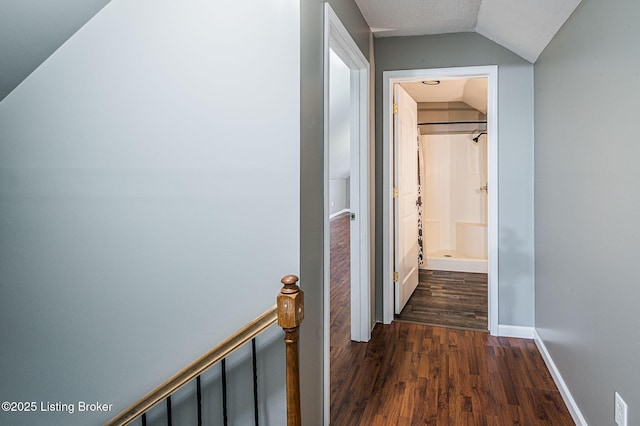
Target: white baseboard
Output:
[(562, 386), (331, 216), (516, 331)]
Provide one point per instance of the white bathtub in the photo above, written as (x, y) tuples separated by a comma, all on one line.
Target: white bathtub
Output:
[(470, 254)]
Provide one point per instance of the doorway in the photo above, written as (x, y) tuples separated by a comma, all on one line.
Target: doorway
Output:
[(393, 261), (339, 45)]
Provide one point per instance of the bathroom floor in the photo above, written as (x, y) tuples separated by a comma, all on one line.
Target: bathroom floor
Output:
[(450, 299)]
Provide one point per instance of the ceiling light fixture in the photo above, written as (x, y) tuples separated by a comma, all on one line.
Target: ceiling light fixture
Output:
[(431, 82)]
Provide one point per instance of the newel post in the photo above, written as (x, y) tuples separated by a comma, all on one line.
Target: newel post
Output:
[(290, 315)]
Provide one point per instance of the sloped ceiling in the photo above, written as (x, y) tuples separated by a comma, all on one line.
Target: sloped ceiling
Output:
[(31, 30), (472, 91), (523, 26)]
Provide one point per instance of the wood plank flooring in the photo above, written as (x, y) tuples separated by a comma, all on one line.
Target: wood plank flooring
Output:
[(411, 374), (452, 299), (340, 273)]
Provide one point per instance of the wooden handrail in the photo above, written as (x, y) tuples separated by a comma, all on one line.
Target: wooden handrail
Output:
[(197, 367)]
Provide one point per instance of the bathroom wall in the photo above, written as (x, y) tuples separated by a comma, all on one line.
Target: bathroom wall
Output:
[(435, 112)]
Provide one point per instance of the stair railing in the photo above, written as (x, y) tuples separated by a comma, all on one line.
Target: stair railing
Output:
[(288, 312)]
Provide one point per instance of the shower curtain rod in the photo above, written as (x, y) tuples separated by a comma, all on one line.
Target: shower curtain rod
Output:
[(453, 122)]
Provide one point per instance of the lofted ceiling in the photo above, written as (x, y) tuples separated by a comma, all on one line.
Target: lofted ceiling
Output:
[(523, 26), (31, 30)]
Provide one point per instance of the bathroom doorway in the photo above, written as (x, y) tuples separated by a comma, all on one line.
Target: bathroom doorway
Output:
[(451, 207), (456, 149)]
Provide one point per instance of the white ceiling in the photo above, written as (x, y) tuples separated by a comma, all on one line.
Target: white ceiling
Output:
[(446, 91), (472, 91), (523, 26), (418, 17)]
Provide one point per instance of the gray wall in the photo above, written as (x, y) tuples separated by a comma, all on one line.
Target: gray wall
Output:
[(588, 204), (136, 212), (311, 190), (339, 133), (338, 195), (515, 120)]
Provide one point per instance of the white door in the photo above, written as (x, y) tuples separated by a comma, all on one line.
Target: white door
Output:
[(405, 206)]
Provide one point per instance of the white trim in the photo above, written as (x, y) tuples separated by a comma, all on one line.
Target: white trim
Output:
[(576, 414), (388, 79), (338, 213), (338, 39), (517, 331), (493, 168)]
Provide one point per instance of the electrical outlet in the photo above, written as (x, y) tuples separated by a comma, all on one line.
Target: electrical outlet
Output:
[(620, 411)]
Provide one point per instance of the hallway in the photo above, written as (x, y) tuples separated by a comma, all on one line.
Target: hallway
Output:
[(412, 374)]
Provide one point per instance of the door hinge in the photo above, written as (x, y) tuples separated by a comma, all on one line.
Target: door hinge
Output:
[(395, 277), (395, 192), (353, 216), (395, 108)]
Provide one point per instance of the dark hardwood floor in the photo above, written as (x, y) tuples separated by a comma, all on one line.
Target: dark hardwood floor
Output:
[(411, 374), (452, 299), (340, 291)]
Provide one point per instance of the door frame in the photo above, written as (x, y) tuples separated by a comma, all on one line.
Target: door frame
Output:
[(338, 39), (389, 78)]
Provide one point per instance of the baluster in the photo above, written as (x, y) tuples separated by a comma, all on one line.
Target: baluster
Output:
[(169, 418), (255, 381), (224, 391), (199, 399), (290, 315)]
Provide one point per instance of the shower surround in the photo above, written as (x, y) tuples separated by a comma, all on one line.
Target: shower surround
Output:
[(455, 202)]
